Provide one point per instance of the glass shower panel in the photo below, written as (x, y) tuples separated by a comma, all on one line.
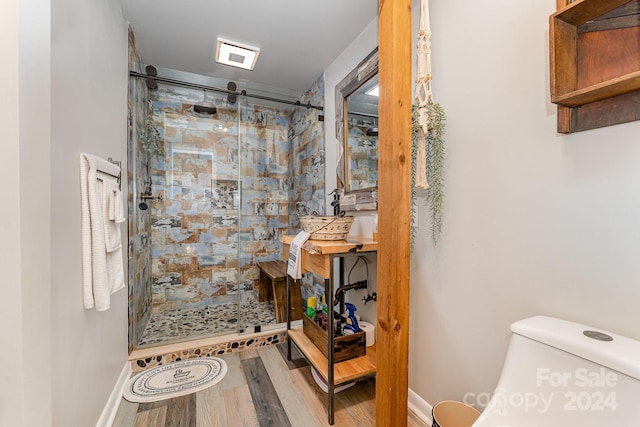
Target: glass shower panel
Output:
[(264, 166), (229, 183), (194, 228)]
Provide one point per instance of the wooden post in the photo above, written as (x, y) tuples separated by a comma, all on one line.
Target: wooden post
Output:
[(394, 192)]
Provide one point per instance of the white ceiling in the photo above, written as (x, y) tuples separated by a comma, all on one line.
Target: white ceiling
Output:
[(298, 39)]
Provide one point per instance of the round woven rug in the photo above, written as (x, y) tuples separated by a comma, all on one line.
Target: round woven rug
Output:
[(175, 379)]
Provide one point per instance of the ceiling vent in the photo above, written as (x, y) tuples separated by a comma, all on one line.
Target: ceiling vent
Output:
[(236, 54)]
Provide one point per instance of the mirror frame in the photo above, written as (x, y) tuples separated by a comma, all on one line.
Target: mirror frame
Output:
[(365, 199)]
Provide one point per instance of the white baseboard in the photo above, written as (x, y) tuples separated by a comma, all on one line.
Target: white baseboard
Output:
[(111, 408), (420, 407)]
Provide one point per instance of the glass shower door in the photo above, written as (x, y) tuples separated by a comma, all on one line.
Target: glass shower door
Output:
[(226, 183), (264, 166), (194, 229)]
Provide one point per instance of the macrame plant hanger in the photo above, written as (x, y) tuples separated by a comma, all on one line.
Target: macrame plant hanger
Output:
[(423, 94)]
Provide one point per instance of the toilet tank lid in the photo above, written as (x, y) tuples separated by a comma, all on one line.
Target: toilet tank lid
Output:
[(621, 354)]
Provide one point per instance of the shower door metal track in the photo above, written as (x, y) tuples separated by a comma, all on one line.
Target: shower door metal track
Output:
[(220, 90)]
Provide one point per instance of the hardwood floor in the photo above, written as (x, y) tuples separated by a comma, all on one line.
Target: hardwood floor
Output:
[(262, 389)]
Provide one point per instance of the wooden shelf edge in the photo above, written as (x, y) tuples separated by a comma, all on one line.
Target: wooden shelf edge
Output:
[(331, 247), (581, 11), (343, 372), (608, 89)]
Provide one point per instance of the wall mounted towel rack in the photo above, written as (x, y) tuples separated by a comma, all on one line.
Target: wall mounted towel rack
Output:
[(117, 177)]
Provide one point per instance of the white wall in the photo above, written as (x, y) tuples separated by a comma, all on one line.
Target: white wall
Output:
[(24, 256), (535, 222), (89, 114), (11, 367), (35, 205), (63, 86)]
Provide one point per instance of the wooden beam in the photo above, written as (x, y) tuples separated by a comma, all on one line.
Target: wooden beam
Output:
[(394, 210)]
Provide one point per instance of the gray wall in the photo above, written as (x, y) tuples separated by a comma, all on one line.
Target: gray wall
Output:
[(535, 222), (57, 354), (24, 212), (89, 114)]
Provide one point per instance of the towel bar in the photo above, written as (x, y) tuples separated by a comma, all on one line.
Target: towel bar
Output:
[(117, 177)]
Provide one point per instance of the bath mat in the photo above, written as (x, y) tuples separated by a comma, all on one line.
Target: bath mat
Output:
[(175, 379)]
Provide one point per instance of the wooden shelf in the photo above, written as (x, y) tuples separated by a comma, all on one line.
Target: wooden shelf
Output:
[(600, 91), (314, 252), (343, 372), (327, 247), (594, 48), (317, 257), (581, 11)]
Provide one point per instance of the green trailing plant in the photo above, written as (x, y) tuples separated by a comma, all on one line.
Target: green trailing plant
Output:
[(149, 136), (414, 168), (434, 166)]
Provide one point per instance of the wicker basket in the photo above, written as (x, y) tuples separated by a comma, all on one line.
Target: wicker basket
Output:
[(326, 227)]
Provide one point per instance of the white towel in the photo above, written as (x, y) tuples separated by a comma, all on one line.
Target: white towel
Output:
[(294, 266), (113, 215), (102, 271), (116, 206)]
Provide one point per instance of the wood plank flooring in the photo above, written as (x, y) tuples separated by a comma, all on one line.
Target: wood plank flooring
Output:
[(262, 389)]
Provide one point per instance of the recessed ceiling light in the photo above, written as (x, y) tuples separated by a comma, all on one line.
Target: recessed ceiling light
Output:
[(236, 54), (374, 91)]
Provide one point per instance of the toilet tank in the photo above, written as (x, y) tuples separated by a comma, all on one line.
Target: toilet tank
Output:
[(560, 373)]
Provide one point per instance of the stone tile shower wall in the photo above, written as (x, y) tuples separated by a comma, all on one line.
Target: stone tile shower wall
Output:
[(307, 170), (139, 247), (226, 190), (194, 230), (266, 187)]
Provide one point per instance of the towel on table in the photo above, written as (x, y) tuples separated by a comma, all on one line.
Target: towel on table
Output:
[(102, 270), (294, 266)]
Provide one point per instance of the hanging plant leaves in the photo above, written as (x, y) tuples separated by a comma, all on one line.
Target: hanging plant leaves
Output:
[(149, 136), (427, 120), (434, 166), (415, 141)]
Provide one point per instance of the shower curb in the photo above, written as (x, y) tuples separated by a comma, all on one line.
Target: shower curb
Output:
[(155, 356)]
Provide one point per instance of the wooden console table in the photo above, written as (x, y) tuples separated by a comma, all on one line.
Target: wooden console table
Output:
[(317, 257)]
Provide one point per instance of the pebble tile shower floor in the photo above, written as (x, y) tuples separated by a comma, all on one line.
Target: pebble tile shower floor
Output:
[(182, 324)]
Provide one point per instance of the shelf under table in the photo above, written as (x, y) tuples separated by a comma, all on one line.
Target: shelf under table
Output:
[(343, 372)]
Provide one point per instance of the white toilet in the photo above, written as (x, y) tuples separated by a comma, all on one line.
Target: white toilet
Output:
[(562, 374)]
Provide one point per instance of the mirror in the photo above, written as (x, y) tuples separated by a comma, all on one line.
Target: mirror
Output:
[(357, 130), (361, 137)]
